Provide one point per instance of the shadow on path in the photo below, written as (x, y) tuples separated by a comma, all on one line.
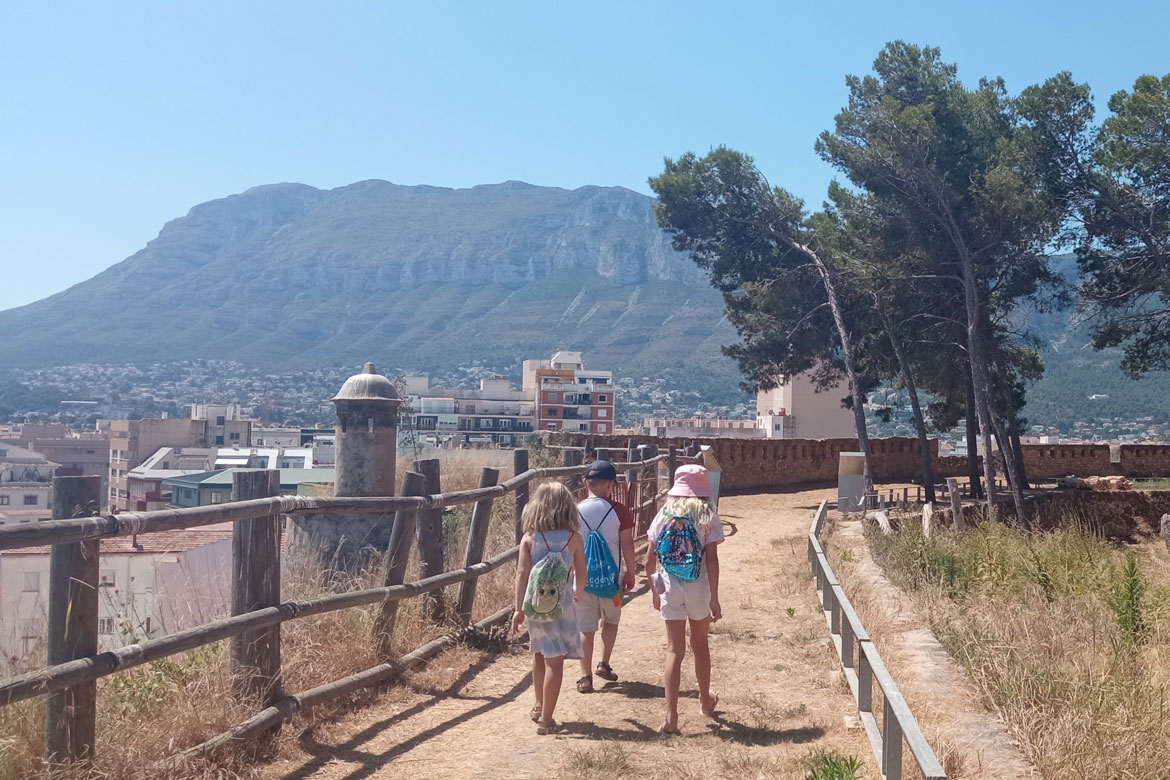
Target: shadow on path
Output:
[(324, 753)]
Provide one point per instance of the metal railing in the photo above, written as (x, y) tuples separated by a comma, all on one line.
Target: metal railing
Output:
[(863, 666)]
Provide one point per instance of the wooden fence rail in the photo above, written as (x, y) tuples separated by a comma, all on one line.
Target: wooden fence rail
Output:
[(258, 612), (863, 666)]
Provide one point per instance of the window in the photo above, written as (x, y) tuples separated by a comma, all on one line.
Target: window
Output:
[(217, 498), (3, 500), (235, 437), (3, 453), (603, 412), (601, 427), (105, 625), (146, 626), (32, 582), (552, 412), (30, 500), (219, 440), (106, 578), (602, 398), (219, 420), (552, 426)]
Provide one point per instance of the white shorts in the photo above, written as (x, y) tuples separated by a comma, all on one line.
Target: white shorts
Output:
[(683, 600), (593, 610)]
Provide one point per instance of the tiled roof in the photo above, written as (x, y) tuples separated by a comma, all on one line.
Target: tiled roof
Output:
[(162, 543)]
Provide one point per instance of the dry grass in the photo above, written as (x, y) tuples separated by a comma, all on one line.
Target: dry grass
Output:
[(1072, 650), (158, 709)]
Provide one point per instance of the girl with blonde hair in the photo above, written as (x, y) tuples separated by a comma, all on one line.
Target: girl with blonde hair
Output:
[(551, 567), (683, 565)]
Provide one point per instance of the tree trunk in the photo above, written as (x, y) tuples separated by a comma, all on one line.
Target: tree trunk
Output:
[(1018, 448), (980, 375), (1011, 467), (915, 407), (850, 366), (972, 439)]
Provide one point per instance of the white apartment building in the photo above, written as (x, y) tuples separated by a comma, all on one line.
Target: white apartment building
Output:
[(149, 586), (496, 412), (797, 410)]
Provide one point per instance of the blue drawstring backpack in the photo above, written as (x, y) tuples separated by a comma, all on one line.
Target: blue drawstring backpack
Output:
[(678, 548), (602, 570)]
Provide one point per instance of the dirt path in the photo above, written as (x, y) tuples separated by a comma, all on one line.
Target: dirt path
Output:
[(971, 740), (781, 692)]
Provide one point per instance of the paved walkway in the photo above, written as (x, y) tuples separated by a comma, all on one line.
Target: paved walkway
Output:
[(781, 692)]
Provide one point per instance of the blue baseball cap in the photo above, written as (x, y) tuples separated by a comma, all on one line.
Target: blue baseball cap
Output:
[(601, 469)]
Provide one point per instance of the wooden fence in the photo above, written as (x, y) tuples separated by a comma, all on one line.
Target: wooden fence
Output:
[(256, 511), (863, 666)]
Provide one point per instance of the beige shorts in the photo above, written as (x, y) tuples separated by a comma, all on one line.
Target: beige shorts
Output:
[(593, 610), (682, 600)]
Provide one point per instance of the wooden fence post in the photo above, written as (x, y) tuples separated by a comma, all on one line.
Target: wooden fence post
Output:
[(255, 655), (671, 464), (481, 517), (956, 503), (71, 714), (394, 566), (429, 537), (573, 456), (519, 466)]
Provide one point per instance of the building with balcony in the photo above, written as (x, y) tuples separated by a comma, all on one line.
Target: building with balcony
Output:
[(568, 397), (797, 409), (495, 413), (133, 441), (698, 427)]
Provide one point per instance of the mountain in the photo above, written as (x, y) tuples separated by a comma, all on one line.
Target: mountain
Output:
[(415, 278), (431, 279)]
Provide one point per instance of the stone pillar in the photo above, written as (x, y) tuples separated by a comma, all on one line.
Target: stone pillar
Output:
[(366, 433)]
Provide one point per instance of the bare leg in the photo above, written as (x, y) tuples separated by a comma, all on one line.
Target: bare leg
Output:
[(702, 653), (538, 678), (608, 638), (553, 671), (676, 650), (587, 653)]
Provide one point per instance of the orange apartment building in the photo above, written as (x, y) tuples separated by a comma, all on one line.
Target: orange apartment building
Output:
[(567, 397)]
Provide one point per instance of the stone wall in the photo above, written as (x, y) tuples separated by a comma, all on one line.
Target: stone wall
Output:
[(776, 463), (750, 464), (1043, 461), (1127, 516)]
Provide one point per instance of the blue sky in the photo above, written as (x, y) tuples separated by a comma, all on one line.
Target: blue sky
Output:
[(120, 116)]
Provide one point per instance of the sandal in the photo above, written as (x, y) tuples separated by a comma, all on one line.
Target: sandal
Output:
[(670, 731), (605, 672), (549, 727), (709, 712), (585, 685), (535, 712)]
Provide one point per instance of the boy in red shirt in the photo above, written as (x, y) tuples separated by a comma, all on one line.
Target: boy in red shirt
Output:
[(615, 522)]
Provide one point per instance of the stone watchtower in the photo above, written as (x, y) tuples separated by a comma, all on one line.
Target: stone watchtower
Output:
[(366, 432)]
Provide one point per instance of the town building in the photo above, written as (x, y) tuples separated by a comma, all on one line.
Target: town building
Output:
[(215, 487), (133, 441), (797, 409), (149, 586), (568, 397), (495, 413), (698, 427), (26, 485)]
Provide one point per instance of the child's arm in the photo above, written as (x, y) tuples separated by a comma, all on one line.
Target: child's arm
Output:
[(711, 559), (626, 540), (580, 572), (651, 567), (523, 569)]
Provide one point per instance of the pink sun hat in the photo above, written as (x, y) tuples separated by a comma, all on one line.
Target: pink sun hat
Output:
[(691, 482)]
